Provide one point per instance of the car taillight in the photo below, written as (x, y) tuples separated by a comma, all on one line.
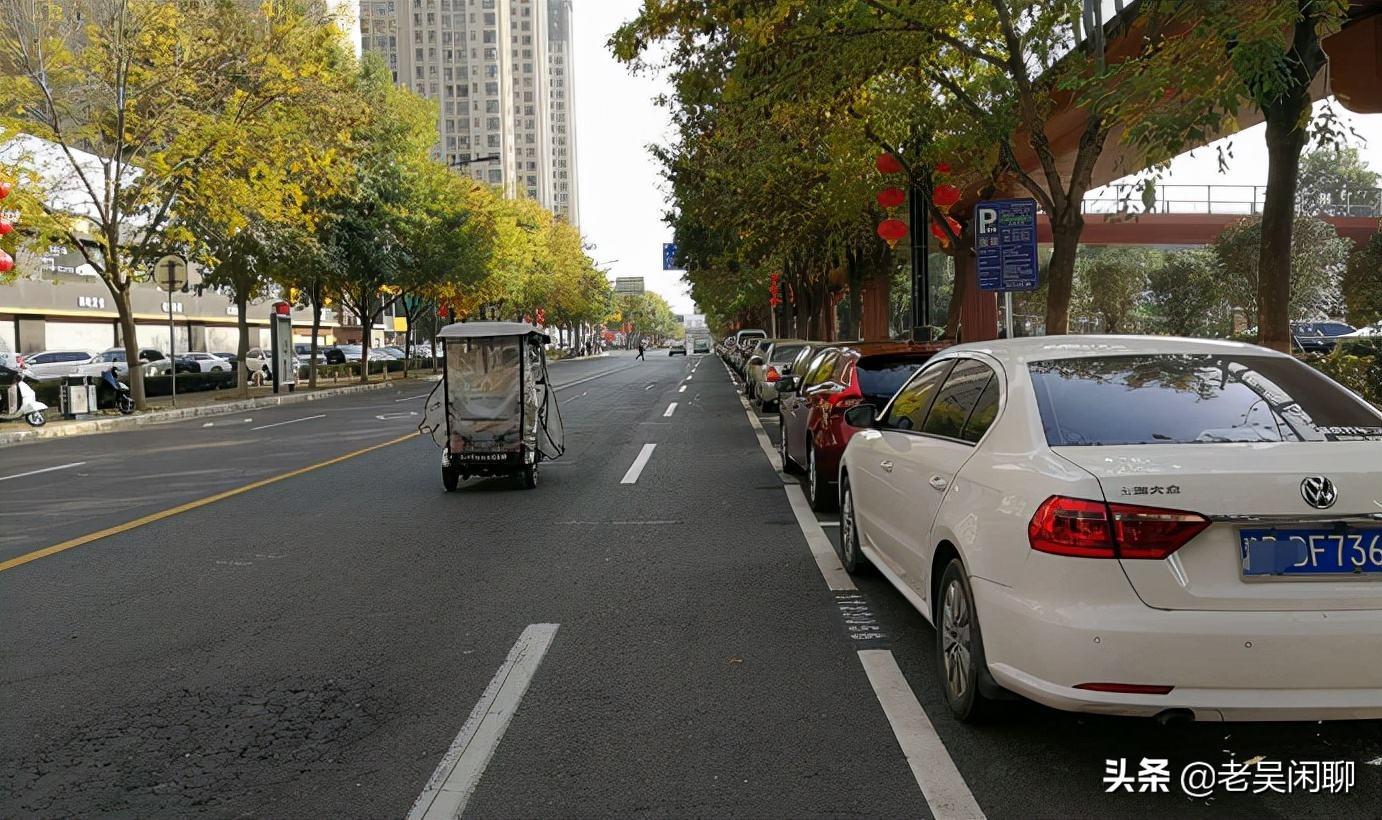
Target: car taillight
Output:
[(1093, 529), (772, 375), (845, 398)]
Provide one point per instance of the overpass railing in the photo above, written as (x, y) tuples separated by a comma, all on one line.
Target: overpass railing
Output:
[(1239, 200)]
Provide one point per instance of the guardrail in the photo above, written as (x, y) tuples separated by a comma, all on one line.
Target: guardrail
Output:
[(1237, 200)]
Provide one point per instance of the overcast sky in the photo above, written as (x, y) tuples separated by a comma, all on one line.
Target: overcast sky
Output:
[(622, 195)]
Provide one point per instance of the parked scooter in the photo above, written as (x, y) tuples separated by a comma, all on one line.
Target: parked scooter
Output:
[(18, 400), (124, 402)]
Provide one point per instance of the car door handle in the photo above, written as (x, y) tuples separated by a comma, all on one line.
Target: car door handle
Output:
[(886, 465), (938, 482)]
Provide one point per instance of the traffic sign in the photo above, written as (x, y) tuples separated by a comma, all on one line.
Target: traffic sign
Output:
[(631, 285), (669, 256), (1005, 241), (171, 273)]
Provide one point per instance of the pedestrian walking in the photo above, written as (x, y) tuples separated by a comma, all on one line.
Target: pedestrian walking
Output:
[(640, 350)]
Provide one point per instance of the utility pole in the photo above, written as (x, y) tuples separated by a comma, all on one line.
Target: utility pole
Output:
[(918, 195)]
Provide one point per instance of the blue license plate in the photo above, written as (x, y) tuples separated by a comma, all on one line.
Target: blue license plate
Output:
[(1332, 550)]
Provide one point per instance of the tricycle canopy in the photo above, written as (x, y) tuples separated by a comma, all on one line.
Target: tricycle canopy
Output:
[(495, 404)]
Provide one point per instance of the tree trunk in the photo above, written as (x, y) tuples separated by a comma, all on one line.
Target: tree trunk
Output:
[(1060, 274), (129, 336), (958, 293), (316, 296), (242, 351), (366, 327)]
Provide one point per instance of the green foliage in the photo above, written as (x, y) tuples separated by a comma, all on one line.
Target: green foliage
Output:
[(1336, 181), (1110, 282), (1188, 297), (1361, 374), (1318, 257), (1362, 283)]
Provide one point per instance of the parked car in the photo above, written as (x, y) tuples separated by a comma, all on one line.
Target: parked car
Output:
[(678, 348), (395, 351), (54, 364), (811, 416), (1318, 337), (1368, 331), (303, 350), (340, 354), (205, 362), (380, 354), (153, 361), (770, 362), (701, 347), (232, 358), (1130, 525)]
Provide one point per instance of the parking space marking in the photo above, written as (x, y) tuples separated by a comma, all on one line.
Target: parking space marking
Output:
[(44, 470), (941, 783), (631, 477), (460, 770), (671, 408), (294, 421)]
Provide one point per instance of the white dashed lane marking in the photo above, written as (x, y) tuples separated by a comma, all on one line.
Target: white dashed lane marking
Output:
[(631, 477), (671, 408)]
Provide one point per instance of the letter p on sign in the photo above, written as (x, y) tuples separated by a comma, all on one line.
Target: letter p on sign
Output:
[(988, 218)]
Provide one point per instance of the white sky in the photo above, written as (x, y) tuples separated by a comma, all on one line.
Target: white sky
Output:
[(622, 193)]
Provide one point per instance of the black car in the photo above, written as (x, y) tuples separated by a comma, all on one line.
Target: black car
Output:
[(1318, 337), (340, 354)]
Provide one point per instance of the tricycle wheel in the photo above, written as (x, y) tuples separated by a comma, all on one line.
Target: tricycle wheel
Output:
[(450, 478), (36, 419), (529, 477)]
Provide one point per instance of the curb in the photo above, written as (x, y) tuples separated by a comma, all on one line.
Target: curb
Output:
[(86, 428)]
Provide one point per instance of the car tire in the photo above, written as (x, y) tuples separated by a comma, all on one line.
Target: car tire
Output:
[(960, 660), (788, 465), (851, 556), (817, 489), (450, 478)]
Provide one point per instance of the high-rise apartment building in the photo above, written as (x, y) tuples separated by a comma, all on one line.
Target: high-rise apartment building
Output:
[(500, 72)]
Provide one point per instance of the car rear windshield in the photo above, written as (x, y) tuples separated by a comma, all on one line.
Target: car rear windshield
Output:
[(881, 376), (785, 353), (1194, 399)]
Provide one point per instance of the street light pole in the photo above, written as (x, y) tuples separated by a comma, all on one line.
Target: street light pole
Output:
[(918, 194)]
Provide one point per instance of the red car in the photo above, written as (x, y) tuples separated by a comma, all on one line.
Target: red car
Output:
[(812, 431)]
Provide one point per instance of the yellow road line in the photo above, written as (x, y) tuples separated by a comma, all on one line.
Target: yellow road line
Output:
[(191, 505)]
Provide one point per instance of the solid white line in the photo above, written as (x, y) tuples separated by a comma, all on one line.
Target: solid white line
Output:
[(461, 768), (941, 783), (44, 470), (681, 389), (294, 421), (412, 398), (671, 408), (631, 477)]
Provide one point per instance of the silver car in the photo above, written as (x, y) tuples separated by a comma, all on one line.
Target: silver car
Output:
[(771, 360), (54, 364)]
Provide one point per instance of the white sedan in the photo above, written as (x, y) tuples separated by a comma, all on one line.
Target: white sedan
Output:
[(207, 362), (1130, 525)]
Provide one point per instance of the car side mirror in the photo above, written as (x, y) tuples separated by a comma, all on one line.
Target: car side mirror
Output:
[(863, 416)]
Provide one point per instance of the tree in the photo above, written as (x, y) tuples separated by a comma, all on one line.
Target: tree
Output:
[(1362, 283), (1229, 55), (1112, 282), (1187, 295), (129, 101), (1336, 181), (367, 226), (1318, 257)]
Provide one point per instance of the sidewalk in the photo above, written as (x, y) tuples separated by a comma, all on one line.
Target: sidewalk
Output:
[(191, 406)]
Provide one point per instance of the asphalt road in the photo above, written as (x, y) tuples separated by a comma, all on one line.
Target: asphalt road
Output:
[(314, 646)]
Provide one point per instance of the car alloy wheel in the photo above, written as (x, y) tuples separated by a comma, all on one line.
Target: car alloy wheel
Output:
[(850, 555), (956, 644), (811, 478)]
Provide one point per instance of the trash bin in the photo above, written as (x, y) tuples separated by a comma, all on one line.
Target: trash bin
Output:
[(77, 396)]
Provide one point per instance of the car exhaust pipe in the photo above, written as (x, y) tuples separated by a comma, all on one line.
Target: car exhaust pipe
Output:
[(1166, 717)]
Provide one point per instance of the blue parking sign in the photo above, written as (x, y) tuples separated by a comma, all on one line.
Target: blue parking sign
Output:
[(1005, 242), (669, 256)]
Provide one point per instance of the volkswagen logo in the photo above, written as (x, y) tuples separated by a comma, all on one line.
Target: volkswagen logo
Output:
[(1319, 492)]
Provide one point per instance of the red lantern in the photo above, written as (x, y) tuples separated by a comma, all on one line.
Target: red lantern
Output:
[(891, 197), (6, 262), (942, 167), (5, 227), (887, 164), (892, 231), (939, 232), (5, 188), (946, 195)]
